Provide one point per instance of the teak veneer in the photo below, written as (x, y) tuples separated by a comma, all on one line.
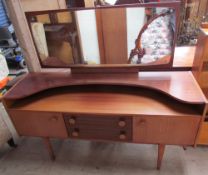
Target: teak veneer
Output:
[(200, 72), (163, 108)]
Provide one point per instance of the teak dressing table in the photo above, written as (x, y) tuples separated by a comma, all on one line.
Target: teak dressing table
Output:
[(116, 102), (163, 108)]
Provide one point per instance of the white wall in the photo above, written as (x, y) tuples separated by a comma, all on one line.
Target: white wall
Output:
[(112, 2), (86, 20), (135, 21)]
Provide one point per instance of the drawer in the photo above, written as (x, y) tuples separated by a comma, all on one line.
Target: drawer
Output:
[(41, 124), (99, 127), (203, 79), (203, 136), (205, 66), (180, 130)]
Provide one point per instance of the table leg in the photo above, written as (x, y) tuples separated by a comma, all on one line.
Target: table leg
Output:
[(11, 143), (184, 148), (49, 148), (161, 149)]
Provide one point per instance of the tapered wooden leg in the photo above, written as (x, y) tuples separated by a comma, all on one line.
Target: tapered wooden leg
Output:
[(161, 149), (184, 148), (11, 143), (49, 148)]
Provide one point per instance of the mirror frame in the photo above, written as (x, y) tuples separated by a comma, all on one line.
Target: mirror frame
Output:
[(115, 68)]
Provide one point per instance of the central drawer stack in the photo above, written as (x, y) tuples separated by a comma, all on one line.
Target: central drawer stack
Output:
[(99, 127)]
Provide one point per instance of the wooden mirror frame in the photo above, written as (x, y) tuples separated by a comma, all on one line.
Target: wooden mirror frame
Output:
[(110, 68)]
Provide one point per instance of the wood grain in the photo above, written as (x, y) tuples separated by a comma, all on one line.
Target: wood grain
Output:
[(200, 55), (203, 137), (180, 130), (113, 35), (200, 73), (49, 148), (99, 127), (161, 150), (38, 5), (179, 85), (111, 31), (184, 56), (38, 124), (105, 100)]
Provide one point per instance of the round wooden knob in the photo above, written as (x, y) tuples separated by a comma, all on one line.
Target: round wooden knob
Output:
[(121, 123), (122, 136), (54, 119), (75, 133), (72, 121), (142, 122)]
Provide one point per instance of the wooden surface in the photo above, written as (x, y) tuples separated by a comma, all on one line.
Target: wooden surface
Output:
[(201, 55), (200, 72), (99, 127), (161, 150), (149, 107), (205, 90), (203, 79), (39, 124), (114, 31), (179, 85), (203, 137), (151, 129), (49, 147), (183, 59), (16, 11), (39, 5), (99, 25), (89, 3), (184, 56), (105, 100)]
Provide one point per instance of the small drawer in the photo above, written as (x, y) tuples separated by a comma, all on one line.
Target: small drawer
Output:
[(99, 127), (105, 122), (102, 134)]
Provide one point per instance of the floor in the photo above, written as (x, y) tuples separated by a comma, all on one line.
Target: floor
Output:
[(89, 158)]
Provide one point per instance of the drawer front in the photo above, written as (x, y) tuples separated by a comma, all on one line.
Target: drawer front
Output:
[(41, 124), (203, 136), (178, 130), (203, 79), (99, 127)]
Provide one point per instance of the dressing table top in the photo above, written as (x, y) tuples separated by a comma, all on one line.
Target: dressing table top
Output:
[(180, 85)]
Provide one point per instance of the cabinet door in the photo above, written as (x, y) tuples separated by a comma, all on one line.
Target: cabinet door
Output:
[(41, 124), (180, 130)]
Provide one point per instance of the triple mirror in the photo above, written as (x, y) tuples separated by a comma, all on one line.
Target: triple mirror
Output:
[(123, 35)]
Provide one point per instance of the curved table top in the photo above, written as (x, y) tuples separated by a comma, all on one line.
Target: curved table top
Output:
[(105, 100), (180, 85)]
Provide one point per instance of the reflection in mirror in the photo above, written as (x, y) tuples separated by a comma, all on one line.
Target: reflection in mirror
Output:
[(155, 39), (119, 2), (105, 2), (124, 35), (56, 39)]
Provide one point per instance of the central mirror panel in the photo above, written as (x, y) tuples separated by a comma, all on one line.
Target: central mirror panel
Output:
[(101, 36)]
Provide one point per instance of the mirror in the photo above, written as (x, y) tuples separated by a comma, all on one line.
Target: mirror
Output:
[(120, 2), (123, 35)]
